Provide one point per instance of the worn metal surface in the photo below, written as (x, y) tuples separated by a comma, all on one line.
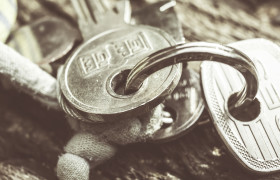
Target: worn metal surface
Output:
[(33, 137), (99, 63), (114, 52), (253, 141)]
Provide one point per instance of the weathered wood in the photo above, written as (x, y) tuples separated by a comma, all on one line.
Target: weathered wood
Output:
[(32, 137)]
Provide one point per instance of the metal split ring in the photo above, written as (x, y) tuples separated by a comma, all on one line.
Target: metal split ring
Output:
[(199, 51)]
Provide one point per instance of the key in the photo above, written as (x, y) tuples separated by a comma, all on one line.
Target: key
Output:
[(44, 41), (92, 77), (253, 136)]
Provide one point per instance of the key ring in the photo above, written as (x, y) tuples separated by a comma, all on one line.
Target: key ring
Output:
[(200, 51)]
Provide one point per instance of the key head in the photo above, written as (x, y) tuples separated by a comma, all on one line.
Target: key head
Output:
[(93, 76), (254, 136)]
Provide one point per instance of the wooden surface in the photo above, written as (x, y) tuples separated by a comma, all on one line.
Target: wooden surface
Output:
[(32, 137)]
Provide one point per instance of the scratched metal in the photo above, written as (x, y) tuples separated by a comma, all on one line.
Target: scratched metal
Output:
[(88, 76), (256, 143)]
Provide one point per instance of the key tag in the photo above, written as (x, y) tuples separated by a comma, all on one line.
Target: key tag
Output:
[(254, 139)]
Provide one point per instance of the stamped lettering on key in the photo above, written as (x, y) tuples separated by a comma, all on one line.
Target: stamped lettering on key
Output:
[(132, 45), (94, 61), (97, 62), (112, 53)]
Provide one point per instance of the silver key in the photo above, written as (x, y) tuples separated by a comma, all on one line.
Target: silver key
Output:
[(90, 78), (253, 137)]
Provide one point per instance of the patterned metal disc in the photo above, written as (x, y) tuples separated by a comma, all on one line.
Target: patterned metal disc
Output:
[(253, 137)]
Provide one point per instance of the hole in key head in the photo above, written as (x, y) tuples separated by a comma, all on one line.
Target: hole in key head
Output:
[(118, 83), (169, 115), (246, 112)]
